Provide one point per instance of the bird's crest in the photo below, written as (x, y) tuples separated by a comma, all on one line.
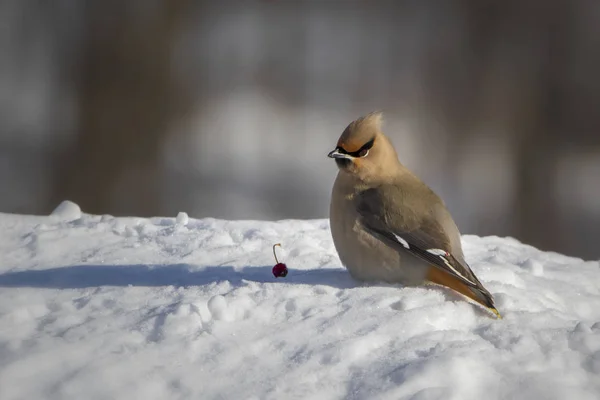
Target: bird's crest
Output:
[(360, 131)]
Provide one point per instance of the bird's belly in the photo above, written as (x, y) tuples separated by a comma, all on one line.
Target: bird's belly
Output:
[(369, 259)]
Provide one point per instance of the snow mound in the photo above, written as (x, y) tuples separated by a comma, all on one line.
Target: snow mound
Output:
[(170, 308), (66, 211), (182, 218)]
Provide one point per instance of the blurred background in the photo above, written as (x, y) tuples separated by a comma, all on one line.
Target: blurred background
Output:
[(227, 109)]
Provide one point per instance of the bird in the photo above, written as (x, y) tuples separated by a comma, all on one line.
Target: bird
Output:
[(387, 225)]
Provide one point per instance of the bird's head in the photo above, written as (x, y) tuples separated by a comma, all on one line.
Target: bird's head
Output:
[(364, 151)]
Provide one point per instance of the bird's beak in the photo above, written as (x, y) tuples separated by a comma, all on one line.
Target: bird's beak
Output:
[(336, 154)]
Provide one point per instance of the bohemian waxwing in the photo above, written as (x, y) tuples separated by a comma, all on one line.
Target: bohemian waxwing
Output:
[(387, 225)]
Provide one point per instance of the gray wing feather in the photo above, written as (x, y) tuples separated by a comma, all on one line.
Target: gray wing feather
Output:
[(422, 236)]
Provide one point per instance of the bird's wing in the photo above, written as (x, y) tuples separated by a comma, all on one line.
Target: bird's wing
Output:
[(422, 236)]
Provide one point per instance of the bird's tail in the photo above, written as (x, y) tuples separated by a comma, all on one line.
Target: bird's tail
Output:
[(478, 294)]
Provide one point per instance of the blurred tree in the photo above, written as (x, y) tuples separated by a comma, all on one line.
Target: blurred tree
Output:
[(126, 100), (537, 218)]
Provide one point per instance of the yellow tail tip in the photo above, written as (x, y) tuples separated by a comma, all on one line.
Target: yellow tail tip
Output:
[(496, 312)]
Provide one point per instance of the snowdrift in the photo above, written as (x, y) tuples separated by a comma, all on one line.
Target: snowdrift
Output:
[(97, 307)]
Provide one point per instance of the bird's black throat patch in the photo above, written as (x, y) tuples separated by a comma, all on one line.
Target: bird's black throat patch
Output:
[(343, 162)]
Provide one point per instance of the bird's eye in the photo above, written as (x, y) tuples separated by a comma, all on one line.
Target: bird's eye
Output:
[(363, 153)]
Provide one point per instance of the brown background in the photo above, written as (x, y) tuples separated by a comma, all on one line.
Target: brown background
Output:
[(228, 108)]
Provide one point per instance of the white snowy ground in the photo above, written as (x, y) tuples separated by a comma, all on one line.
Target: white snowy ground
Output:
[(96, 307)]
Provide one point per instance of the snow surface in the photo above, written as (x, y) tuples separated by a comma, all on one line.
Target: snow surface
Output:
[(96, 307)]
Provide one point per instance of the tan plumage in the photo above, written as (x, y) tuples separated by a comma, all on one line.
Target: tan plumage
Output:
[(387, 225)]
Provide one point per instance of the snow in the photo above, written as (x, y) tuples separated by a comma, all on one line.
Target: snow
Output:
[(66, 211), (97, 307), (182, 218)]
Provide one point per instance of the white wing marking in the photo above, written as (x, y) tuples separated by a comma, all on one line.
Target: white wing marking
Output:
[(443, 254), (402, 241), (437, 252)]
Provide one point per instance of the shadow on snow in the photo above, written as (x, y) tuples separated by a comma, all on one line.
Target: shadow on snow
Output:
[(85, 276)]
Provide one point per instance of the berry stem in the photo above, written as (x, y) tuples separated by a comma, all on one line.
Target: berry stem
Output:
[(275, 255)]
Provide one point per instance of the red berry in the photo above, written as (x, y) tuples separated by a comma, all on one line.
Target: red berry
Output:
[(280, 270)]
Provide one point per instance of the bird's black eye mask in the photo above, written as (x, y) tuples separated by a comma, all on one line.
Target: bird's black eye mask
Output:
[(362, 152)]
